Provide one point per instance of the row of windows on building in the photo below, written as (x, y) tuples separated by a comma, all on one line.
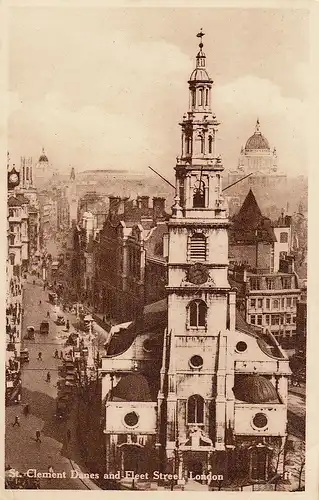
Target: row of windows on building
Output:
[(282, 302), (203, 97), (189, 144), (272, 319), (274, 283)]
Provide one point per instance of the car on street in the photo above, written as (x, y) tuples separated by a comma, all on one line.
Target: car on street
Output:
[(60, 320), (44, 327), (53, 298), (24, 355), (30, 335)]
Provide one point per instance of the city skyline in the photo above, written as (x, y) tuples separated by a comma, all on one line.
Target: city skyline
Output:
[(109, 91)]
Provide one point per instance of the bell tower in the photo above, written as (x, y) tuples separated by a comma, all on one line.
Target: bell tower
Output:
[(196, 399)]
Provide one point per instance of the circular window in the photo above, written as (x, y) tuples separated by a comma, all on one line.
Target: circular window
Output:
[(260, 420), (241, 346), (196, 361), (147, 345), (131, 419)]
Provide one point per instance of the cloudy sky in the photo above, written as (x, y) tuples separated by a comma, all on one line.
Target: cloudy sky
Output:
[(105, 88)]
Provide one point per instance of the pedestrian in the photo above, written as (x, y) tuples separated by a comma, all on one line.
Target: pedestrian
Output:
[(61, 355), (56, 354), (48, 377), (68, 435), (16, 421), (48, 314), (40, 302), (37, 437), (26, 410), (40, 356)]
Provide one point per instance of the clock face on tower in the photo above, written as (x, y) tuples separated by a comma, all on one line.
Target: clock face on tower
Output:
[(13, 178), (198, 274)]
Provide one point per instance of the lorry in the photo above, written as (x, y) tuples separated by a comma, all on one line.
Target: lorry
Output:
[(44, 327)]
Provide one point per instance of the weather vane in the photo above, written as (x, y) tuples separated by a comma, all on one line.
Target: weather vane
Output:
[(200, 35)]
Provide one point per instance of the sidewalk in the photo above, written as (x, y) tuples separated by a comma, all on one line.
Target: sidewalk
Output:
[(299, 391)]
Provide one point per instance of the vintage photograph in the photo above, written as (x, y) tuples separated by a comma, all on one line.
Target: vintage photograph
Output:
[(156, 264)]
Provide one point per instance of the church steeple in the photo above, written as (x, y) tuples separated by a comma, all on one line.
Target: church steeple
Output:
[(200, 58), (198, 180), (72, 174)]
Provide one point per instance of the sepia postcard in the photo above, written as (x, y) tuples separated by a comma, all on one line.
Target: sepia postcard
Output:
[(157, 249)]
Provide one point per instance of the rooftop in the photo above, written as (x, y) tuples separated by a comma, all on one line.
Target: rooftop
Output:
[(249, 225)]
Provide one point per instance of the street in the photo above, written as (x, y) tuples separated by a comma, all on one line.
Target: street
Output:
[(22, 450)]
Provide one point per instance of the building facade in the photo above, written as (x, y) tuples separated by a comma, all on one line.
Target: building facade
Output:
[(191, 389), (257, 242)]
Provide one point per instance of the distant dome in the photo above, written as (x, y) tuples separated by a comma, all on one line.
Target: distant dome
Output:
[(133, 387), (255, 389), (43, 157), (257, 141)]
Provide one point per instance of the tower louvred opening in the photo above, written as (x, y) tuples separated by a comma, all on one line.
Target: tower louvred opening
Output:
[(198, 247)]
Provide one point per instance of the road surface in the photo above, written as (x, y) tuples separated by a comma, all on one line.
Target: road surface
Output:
[(22, 451)]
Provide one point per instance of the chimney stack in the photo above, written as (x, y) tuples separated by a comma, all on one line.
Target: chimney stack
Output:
[(143, 203), (158, 207), (114, 203)]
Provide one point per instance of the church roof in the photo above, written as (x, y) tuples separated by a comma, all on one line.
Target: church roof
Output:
[(255, 389), (154, 319), (22, 198), (257, 141), (14, 202), (199, 75), (133, 387), (249, 225)]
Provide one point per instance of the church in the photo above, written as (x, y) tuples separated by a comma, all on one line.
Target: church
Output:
[(190, 389)]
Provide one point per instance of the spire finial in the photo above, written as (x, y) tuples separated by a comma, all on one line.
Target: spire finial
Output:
[(200, 35), (257, 129)]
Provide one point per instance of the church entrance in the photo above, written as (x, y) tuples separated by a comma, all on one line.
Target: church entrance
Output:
[(195, 467), (132, 458)]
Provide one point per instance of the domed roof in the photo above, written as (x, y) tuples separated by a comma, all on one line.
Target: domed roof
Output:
[(199, 75), (254, 389), (257, 140), (43, 156), (133, 387)]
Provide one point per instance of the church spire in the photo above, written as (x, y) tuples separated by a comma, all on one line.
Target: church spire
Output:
[(200, 58)]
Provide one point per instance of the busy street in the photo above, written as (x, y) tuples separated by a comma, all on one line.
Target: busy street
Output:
[(57, 447), (157, 251)]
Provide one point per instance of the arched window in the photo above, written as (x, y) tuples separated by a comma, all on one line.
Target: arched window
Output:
[(210, 144), (206, 97), (202, 144), (197, 247), (195, 409), (193, 98), (199, 196), (283, 237), (197, 313), (259, 457), (188, 145), (27, 174), (200, 94)]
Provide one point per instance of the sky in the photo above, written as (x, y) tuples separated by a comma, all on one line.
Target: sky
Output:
[(106, 88)]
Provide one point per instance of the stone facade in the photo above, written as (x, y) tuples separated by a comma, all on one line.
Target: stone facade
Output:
[(220, 386)]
